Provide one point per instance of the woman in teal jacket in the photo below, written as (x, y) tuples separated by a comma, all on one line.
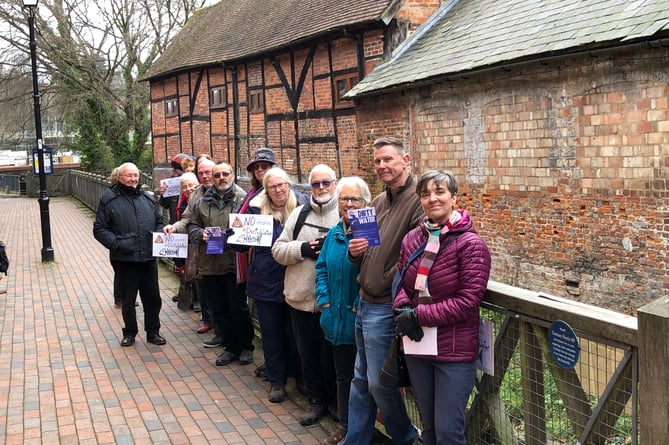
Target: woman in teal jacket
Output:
[(337, 294)]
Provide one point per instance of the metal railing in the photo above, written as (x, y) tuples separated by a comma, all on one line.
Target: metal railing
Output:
[(11, 184), (89, 187)]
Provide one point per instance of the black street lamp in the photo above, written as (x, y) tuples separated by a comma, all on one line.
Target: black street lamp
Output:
[(47, 250)]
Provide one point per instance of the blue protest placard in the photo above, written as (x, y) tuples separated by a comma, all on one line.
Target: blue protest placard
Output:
[(215, 243), (363, 225)]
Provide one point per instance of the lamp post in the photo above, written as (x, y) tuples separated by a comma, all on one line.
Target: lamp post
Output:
[(47, 250)]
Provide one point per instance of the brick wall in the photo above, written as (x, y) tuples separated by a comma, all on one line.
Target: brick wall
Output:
[(323, 132), (563, 167)]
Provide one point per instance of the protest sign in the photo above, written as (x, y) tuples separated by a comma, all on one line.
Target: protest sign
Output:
[(251, 230), (171, 245), (363, 225), (173, 186)]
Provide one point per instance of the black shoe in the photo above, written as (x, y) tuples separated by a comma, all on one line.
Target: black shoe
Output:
[(277, 394), (213, 342), (226, 358), (260, 371), (156, 339), (246, 357), (314, 414), (128, 340)]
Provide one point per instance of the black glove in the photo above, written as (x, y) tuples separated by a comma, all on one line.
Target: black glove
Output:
[(407, 322), (229, 232), (308, 251), (318, 247)]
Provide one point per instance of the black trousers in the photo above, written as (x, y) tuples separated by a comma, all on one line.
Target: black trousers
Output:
[(344, 364), (316, 357), (229, 311), (143, 278)]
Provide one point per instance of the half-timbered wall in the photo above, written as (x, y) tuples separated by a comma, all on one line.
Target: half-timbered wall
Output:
[(286, 101)]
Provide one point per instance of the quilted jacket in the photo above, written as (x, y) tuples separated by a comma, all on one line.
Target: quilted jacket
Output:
[(457, 283)]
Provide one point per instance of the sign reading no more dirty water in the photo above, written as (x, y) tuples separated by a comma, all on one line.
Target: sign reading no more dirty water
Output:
[(563, 344)]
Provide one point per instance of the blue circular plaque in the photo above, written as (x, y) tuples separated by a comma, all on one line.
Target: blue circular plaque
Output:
[(563, 344)]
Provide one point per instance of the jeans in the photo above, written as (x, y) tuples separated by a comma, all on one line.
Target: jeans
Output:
[(442, 390), (374, 332), (142, 277)]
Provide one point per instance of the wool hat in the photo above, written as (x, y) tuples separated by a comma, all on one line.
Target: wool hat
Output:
[(263, 154), (176, 161)]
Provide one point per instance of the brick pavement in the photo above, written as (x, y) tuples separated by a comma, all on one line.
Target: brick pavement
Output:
[(64, 378)]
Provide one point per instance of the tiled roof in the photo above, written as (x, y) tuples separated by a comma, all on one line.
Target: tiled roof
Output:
[(237, 29), (470, 35)]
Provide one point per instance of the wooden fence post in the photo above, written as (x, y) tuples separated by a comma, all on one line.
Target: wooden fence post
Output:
[(654, 371)]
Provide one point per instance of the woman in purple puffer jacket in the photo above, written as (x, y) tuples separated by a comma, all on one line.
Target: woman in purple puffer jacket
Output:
[(439, 303)]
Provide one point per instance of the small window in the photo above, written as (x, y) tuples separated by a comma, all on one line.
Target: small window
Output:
[(256, 102), (343, 85), (217, 97), (171, 107)]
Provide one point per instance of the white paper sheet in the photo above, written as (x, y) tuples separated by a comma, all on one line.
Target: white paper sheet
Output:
[(426, 346)]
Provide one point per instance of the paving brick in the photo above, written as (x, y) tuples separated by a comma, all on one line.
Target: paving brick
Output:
[(64, 378)]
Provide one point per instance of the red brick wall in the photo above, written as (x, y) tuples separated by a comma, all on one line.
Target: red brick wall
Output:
[(327, 134), (563, 167), (417, 11)]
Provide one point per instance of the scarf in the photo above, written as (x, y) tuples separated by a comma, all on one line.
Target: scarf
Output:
[(242, 259), (430, 254)]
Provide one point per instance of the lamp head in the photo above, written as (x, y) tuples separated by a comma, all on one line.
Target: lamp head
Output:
[(30, 3)]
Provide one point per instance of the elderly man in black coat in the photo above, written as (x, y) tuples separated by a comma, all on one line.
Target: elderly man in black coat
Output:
[(124, 222)]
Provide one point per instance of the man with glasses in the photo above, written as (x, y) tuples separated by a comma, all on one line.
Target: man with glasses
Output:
[(298, 248), (226, 301), (124, 222)]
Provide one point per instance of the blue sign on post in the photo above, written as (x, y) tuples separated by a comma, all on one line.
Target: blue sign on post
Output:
[(563, 344)]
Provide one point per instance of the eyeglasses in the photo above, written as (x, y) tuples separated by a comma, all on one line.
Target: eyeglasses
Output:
[(219, 174), (275, 187), (318, 184), (352, 199), (261, 165), (131, 175)]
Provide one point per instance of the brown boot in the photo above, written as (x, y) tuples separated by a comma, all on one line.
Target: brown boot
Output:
[(336, 437)]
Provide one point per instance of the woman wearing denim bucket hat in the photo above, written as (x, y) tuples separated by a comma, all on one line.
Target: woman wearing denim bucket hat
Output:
[(263, 159)]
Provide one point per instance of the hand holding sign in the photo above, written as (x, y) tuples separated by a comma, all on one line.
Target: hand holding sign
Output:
[(251, 230)]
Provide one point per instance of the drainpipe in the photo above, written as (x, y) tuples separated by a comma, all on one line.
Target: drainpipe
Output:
[(235, 119)]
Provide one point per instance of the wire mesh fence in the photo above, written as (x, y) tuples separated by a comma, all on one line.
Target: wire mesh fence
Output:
[(533, 400)]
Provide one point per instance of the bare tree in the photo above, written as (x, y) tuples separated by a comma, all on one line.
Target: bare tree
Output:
[(90, 55)]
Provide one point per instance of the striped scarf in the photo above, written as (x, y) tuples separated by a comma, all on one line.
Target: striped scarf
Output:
[(430, 254)]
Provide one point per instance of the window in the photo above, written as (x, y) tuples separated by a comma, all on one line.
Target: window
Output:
[(217, 97), (171, 107), (256, 102), (343, 84)]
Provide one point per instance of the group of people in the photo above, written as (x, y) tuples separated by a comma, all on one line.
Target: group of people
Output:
[(323, 298)]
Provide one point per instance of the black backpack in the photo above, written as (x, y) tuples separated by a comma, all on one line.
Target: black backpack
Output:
[(4, 259)]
